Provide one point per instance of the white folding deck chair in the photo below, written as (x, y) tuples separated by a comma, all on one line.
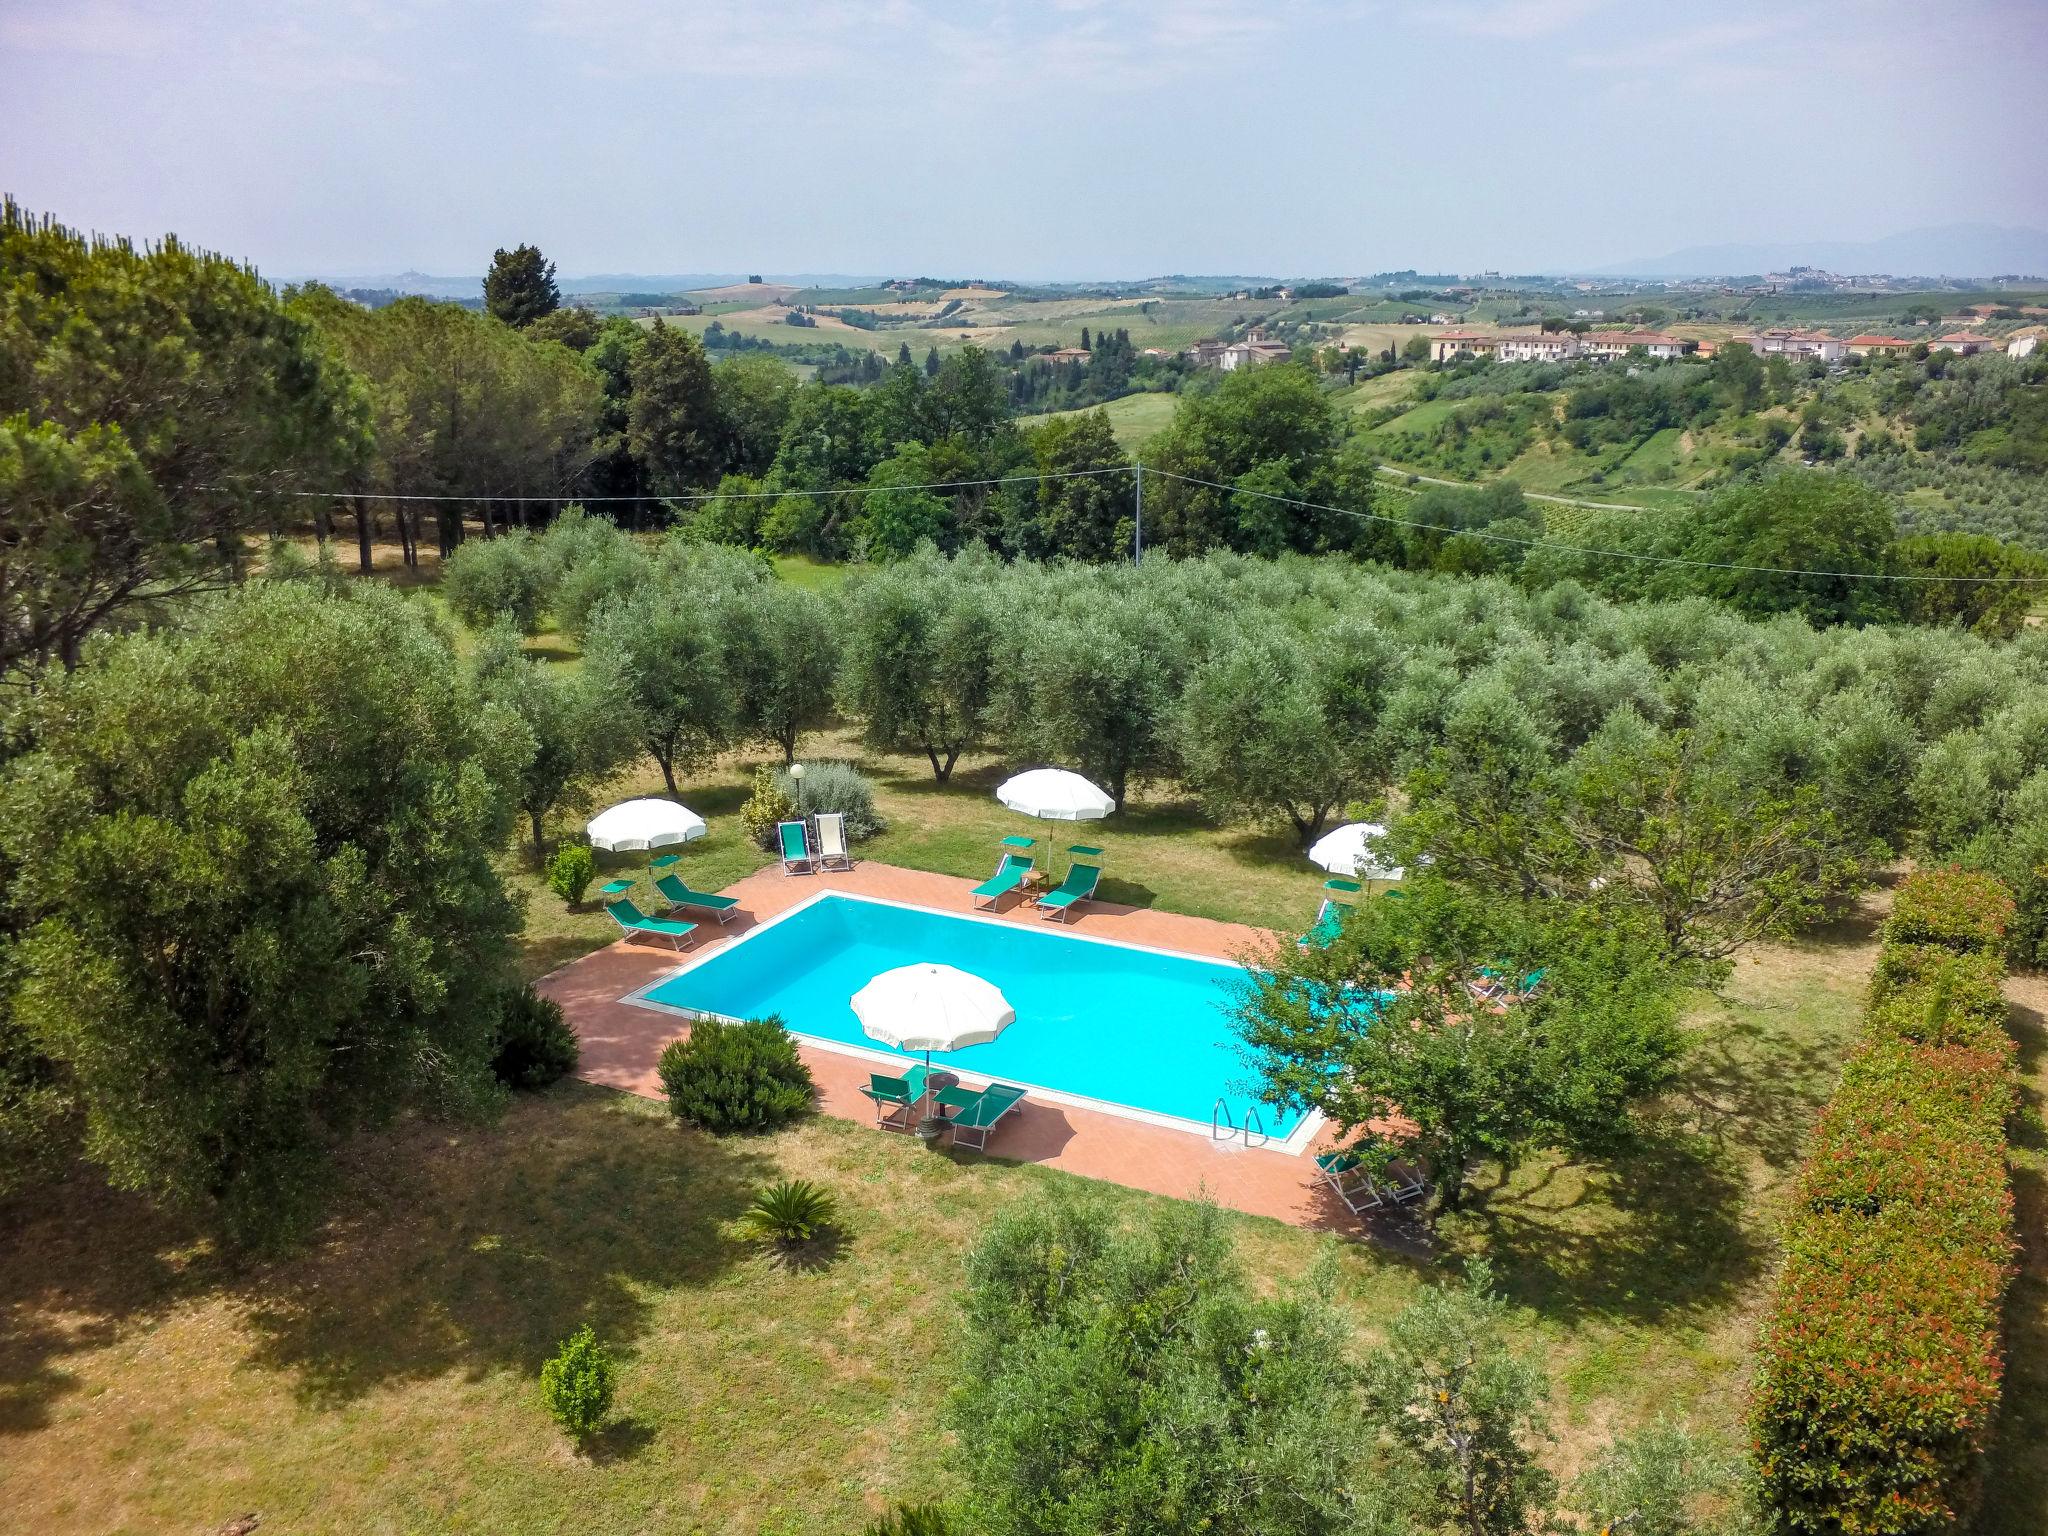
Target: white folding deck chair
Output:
[(832, 850)]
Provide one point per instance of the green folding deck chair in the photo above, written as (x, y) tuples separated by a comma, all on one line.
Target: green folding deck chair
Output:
[(679, 895), (1344, 1171), (976, 1114), (634, 921), (796, 849), (1083, 876), (1338, 897), (894, 1098), (1008, 877)]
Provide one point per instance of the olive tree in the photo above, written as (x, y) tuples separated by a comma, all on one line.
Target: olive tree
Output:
[(572, 724), (1284, 722), (1131, 1378), (920, 661), (255, 892), (661, 660)]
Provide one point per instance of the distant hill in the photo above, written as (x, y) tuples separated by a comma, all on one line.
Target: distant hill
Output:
[(440, 287), (1948, 250)]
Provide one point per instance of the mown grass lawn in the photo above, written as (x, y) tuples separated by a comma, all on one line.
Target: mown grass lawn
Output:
[(383, 1380)]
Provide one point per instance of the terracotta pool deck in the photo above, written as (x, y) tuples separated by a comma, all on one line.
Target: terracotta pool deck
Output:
[(621, 1042)]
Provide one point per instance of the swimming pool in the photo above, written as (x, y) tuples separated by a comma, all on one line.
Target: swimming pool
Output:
[(1101, 1022)]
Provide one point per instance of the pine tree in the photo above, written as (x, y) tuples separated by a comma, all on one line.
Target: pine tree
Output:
[(931, 363), (1084, 338), (520, 287), (903, 353)]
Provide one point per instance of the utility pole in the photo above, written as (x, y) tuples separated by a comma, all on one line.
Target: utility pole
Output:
[(1138, 526)]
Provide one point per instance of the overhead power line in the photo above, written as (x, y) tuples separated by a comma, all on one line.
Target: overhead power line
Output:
[(1136, 470), (659, 500)]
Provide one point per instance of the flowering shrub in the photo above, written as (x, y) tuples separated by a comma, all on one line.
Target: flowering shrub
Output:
[(767, 808), (1955, 908), (1879, 1364)]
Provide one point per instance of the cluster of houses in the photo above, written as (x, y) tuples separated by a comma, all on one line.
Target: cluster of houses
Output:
[(1229, 356), (1554, 347), (1802, 346)]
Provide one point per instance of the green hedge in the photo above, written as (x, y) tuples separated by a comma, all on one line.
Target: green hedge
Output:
[(1879, 1365), (1955, 908)]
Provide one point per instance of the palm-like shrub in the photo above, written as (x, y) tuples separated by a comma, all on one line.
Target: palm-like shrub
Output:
[(578, 1384), (735, 1077), (791, 1212)]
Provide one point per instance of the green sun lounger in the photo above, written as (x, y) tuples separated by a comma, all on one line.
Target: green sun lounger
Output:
[(1360, 1189), (1338, 895), (678, 895), (976, 1114), (894, 1098), (1079, 885), (1328, 924), (1008, 876), (796, 849), (1344, 1171), (634, 921)]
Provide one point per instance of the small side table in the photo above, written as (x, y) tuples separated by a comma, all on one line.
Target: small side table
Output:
[(933, 1125)]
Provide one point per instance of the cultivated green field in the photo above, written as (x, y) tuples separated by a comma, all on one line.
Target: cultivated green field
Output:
[(1136, 419)]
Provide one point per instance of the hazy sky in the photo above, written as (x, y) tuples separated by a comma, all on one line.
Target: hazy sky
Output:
[(1021, 138)]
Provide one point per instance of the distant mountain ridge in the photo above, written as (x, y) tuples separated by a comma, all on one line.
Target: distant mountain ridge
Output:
[(1947, 250)]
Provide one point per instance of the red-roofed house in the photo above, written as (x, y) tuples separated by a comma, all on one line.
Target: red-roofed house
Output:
[(1965, 343), (1448, 344), (1621, 343), (1879, 346), (1798, 344)]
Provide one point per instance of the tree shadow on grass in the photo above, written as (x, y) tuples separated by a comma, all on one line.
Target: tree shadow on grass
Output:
[(1128, 893), (1656, 1231), (539, 957), (820, 1253), (481, 1250), (2016, 1480), (1735, 1104), (620, 1440), (82, 1265)]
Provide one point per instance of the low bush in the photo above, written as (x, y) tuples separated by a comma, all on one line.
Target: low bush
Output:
[(1879, 1363), (570, 872), (791, 1212), (1955, 908), (830, 787), (578, 1384), (535, 1044), (767, 807), (735, 1077)]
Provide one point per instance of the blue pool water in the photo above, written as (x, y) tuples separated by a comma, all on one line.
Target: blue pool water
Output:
[(1128, 1026)]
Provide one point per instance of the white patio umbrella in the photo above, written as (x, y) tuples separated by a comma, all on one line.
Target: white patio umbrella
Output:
[(1354, 850), (644, 824), (929, 1007), (1053, 794)]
